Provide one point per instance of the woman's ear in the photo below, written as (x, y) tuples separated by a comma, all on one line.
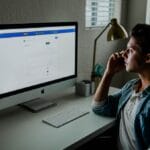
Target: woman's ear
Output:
[(147, 59)]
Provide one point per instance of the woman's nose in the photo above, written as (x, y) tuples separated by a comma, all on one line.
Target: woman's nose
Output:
[(124, 53)]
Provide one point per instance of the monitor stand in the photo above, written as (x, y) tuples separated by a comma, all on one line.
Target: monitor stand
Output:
[(38, 104)]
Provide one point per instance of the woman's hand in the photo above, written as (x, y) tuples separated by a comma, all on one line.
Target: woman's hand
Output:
[(115, 63)]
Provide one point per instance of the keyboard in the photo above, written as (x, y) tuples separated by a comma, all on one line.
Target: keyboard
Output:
[(63, 117)]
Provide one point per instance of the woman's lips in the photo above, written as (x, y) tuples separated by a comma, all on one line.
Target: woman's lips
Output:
[(125, 63)]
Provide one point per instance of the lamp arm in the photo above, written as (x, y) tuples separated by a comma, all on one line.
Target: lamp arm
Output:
[(95, 43)]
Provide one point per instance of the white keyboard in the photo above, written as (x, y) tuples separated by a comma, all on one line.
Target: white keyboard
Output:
[(64, 117)]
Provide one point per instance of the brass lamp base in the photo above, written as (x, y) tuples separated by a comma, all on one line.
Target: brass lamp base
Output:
[(96, 80)]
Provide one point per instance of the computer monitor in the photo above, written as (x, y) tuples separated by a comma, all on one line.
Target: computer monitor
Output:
[(36, 59)]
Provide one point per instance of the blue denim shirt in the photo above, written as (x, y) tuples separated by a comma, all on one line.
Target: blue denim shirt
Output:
[(115, 103)]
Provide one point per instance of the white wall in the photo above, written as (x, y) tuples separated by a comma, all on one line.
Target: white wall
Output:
[(136, 12), (24, 11)]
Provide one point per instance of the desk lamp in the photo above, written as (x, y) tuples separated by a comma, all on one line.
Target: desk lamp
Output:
[(115, 32)]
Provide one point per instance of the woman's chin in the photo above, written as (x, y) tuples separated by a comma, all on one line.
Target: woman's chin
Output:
[(128, 69)]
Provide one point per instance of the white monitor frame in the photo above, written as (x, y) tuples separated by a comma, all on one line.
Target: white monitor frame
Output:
[(26, 94)]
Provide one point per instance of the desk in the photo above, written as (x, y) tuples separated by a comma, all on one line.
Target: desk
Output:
[(21, 129)]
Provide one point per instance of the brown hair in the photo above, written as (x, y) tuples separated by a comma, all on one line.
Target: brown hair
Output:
[(141, 32)]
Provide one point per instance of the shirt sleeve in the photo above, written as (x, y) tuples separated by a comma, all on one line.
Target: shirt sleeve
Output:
[(146, 125), (95, 104), (109, 106)]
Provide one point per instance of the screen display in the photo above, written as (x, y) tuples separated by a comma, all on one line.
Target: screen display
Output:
[(36, 56)]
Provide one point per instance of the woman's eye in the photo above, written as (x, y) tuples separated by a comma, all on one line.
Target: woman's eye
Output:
[(130, 49)]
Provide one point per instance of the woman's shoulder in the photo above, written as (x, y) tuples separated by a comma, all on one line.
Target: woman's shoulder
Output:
[(130, 83)]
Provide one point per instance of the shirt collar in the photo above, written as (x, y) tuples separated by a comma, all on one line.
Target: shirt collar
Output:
[(136, 85)]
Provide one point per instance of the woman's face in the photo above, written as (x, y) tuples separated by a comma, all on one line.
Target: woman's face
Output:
[(133, 57)]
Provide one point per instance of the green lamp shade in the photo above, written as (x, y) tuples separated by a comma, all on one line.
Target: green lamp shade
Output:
[(116, 31)]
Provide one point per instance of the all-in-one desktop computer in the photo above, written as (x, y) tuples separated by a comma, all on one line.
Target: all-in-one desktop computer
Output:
[(36, 59)]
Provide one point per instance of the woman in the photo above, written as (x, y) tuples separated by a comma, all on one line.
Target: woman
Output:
[(131, 105)]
